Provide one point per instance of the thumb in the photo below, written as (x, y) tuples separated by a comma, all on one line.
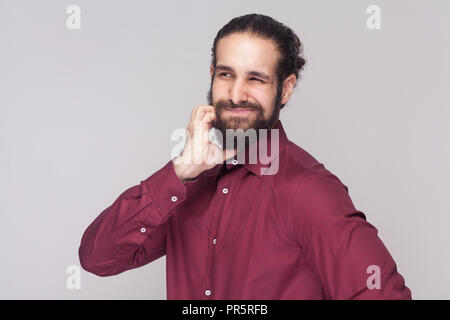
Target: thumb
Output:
[(215, 154)]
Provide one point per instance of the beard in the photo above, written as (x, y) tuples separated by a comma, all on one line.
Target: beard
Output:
[(226, 139)]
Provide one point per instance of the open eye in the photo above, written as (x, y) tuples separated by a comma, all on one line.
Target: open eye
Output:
[(223, 74)]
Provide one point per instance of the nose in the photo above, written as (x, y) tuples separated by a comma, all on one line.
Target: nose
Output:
[(238, 91)]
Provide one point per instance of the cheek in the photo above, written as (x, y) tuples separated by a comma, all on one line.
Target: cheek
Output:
[(217, 90), (266, 100)]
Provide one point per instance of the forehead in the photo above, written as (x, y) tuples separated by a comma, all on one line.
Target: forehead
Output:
[(243, 52)]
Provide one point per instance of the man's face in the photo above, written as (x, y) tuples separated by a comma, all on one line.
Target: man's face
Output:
[(244, 83)]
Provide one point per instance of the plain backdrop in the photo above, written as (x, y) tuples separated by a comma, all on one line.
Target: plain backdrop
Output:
[(86, 114)]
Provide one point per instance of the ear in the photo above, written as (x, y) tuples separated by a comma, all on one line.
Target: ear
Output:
[(288, 87), (211, 71)]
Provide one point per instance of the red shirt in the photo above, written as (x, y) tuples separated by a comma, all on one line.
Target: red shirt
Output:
[(237, 233)]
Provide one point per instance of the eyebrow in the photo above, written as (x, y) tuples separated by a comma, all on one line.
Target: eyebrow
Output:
[(251, 73)]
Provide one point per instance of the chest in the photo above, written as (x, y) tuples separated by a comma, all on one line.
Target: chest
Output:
[(233, 213)]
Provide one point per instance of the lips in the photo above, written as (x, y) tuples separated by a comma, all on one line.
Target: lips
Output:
[(240, 110)]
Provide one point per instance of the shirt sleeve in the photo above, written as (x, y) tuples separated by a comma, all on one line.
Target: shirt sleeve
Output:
[(132, 231), (340, 245)]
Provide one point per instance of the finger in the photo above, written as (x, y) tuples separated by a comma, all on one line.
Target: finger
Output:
[(208, 113), (207, 120), (194, 116), (194, 112), (201, 111), (198, 114)]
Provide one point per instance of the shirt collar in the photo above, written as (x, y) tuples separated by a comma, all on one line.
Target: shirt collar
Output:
[(262, 163)]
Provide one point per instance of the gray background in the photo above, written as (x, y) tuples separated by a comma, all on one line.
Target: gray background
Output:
[(86, 114)]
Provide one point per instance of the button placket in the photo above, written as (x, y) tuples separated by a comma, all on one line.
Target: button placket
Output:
[(209, 269)]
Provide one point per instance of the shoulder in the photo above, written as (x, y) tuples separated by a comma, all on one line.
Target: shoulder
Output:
[(315, 193), (295, 165)]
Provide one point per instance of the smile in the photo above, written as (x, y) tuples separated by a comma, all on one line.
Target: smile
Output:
[(239, 111)]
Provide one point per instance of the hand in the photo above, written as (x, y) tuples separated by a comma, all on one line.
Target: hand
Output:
[(199, 154)]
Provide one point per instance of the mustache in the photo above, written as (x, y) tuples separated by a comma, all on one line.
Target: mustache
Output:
[(244, 105)]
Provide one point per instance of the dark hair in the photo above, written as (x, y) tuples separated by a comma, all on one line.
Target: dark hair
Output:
[(265, 27)]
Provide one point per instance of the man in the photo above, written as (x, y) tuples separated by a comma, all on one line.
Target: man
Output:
[(231, 229)]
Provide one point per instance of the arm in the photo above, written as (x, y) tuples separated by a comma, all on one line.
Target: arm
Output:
[(339, 243), (132, 231)]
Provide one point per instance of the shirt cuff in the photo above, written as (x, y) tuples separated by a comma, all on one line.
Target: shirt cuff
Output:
[(166, 190)]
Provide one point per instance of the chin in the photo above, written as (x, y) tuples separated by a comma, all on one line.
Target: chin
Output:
[(239, 123)]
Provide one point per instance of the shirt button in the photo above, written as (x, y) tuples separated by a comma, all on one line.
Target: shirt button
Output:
[(208, 292), (143, 230), (225, 190), (174, 198), (235, 162), (214, 240)]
